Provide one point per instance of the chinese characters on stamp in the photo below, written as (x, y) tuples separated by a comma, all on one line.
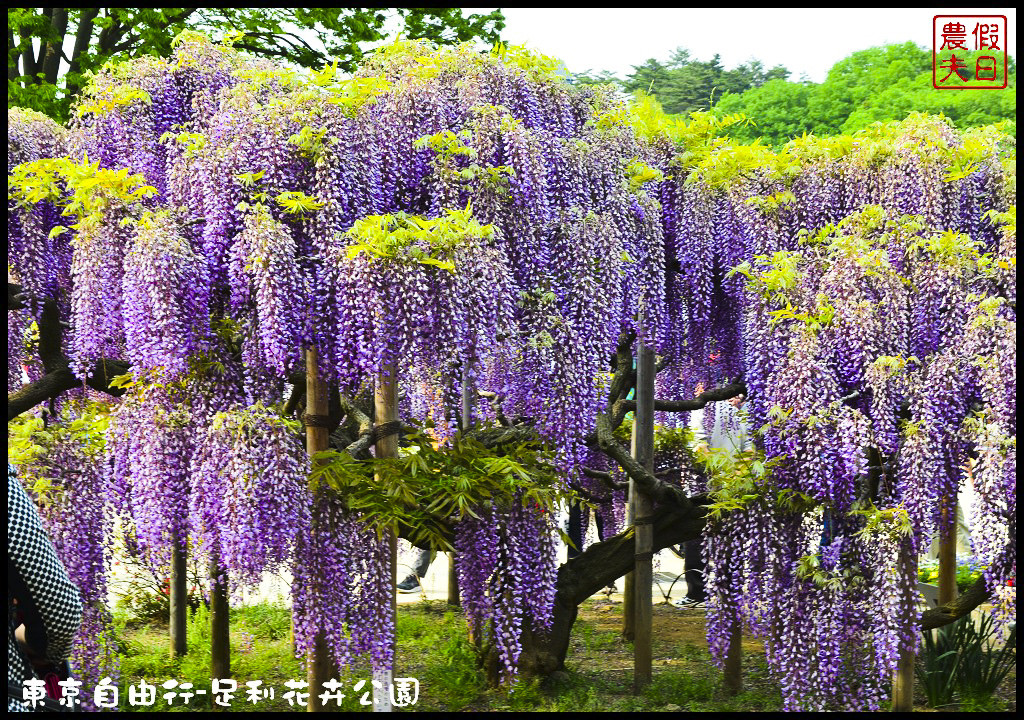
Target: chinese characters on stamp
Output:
[(969, 52)]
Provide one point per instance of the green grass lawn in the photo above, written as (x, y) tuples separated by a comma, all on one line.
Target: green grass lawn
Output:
[(433, 647)]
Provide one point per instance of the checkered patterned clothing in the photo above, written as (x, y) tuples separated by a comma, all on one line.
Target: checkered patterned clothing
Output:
[(48, 600)]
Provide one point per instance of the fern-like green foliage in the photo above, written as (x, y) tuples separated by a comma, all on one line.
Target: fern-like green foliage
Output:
[(428, 487)]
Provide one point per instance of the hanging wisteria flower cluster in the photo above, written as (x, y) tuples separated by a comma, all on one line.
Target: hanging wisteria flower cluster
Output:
[(507, 569), (871, 436), (248, 494)]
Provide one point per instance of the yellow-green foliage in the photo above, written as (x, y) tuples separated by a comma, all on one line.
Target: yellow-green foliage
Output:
[(30, 439), (428, 241), (84, 188)]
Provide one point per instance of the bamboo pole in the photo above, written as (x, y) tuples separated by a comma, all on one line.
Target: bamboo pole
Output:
[(179, 600), (903, 680), (318, 663), (220, 627), (733, 671), (947, 554), (643, 451), (629, 582), (467, 412), (903, 683), (385, 406)]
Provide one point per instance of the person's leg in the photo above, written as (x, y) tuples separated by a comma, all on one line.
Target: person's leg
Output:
[(575, 530), (694, 570), (599, 521), (423, 561)]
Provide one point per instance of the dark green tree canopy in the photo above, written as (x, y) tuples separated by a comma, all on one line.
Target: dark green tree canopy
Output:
[(38, 39)]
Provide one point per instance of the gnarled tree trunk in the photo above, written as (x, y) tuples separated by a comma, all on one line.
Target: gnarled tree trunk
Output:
[(596, 567)]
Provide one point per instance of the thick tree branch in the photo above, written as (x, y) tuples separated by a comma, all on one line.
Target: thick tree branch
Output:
[(607, 561), (51, 333), (83, 37), (606, 478), (620, 384), (362, 421), (659, 490), (28, 59), (167, 22), (598, 566), (110, 34), (61, 380), (58, 377), (495, 401), (378, 432), (958, 608), (297, 394), (714, 395), (15, 297)]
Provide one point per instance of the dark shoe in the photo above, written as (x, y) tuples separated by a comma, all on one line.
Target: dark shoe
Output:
[(410, 585), (685, 602)]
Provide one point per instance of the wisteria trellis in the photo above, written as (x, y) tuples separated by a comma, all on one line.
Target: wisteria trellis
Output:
[(444, 210)]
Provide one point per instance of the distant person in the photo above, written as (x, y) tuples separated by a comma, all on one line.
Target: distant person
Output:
[(44, 608), (579, 520), (731, 433), (411, 583)]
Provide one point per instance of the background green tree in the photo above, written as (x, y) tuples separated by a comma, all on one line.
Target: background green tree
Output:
[(685, 84), (877, 84), (38, 39)]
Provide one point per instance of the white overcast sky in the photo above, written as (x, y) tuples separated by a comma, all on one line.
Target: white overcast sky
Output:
[(805, 41)]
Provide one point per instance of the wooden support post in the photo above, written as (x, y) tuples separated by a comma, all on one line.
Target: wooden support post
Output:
[(903, 683), (643, 451), (467, 401), (453, 581), (319, 668), (385, 406), (733, 671), (629, 582), (947, 553), (903, 680), (220, 623), (467, 412), (179, 600)]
